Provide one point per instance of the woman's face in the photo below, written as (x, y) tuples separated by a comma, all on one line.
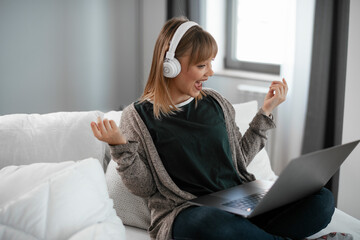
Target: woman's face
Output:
[(189, 81)]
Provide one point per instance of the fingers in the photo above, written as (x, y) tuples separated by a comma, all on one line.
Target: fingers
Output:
[(107, 131), (104, 126), (107, 125), (280, 88), (113, 124), (276, 95), (101, 126), (277, 92), (286, 88), (280, 93), (95, 130), (284, 81)]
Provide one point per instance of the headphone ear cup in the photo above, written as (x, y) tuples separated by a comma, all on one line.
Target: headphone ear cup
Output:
[(171, 68)]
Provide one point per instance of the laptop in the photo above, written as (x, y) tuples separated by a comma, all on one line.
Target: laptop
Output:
[(303, 176)]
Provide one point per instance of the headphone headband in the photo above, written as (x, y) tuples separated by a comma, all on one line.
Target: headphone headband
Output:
[(179, 33)]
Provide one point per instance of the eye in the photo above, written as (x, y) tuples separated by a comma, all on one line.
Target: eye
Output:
[(201, 66)]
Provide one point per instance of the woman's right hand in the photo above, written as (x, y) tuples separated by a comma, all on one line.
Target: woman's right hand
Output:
[(107, 131)]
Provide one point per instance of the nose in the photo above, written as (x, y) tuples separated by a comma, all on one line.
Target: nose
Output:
[(210, 72)]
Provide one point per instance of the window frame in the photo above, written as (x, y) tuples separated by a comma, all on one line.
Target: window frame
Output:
[(230, 61)]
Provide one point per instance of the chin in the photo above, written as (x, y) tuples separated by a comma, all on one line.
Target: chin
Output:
[(195, 94)]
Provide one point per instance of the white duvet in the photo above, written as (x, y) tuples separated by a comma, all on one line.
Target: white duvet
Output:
[(66, 200)]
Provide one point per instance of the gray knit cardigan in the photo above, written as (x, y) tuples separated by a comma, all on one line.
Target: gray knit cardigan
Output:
[(143, 172)]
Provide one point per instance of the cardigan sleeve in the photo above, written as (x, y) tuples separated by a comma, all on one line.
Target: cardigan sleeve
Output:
[(132, 163), (255, 137)]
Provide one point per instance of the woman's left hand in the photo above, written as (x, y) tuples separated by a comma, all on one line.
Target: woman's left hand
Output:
[(276, 95)]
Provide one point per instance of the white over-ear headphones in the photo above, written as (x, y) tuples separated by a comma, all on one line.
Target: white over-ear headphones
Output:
[(172, 66)]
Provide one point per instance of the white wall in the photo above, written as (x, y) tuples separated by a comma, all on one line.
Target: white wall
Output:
[(75, 55), (153, 18), (349, 189)]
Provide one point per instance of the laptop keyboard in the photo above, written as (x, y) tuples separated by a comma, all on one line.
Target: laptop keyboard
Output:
[(246, 203)]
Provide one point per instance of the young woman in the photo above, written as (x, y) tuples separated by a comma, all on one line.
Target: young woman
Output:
[(180, 141)]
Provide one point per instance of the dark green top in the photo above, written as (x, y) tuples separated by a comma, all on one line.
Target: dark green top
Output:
[(193, 145)]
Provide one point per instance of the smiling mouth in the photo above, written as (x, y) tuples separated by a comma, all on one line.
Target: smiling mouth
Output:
[(198, 85)]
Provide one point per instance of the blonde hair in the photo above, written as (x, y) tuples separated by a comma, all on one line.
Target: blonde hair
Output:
[(196, 42)]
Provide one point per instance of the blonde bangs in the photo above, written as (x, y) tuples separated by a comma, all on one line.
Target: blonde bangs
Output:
[(204, 47)]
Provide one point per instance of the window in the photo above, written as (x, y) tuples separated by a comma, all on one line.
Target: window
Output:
[(257, 34)]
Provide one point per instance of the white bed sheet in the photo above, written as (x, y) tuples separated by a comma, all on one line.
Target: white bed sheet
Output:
[(133, 233), (342, 222)]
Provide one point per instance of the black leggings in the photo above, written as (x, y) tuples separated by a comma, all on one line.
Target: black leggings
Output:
[(294, 221)]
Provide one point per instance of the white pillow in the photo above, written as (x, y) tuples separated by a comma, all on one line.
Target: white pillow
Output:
[(57, 201), (132, 210), (244, 114), (114, 115), (53, 137), (260, 165)]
